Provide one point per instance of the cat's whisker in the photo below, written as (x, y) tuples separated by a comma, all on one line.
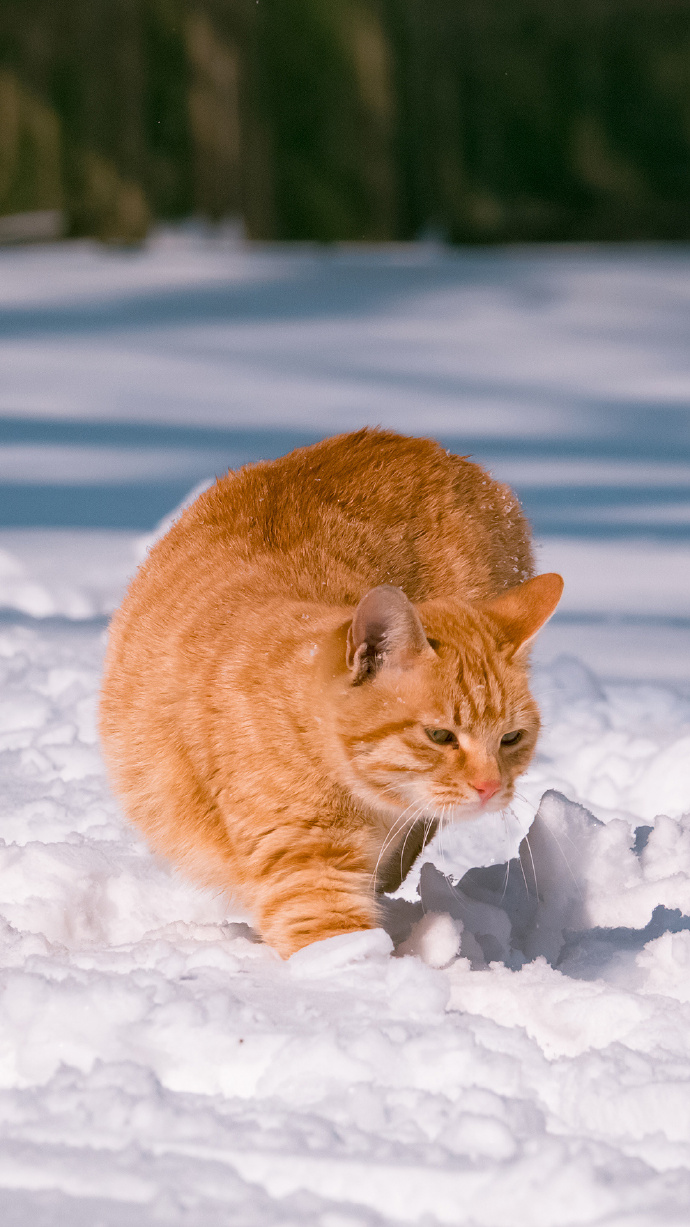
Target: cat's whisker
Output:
[(428, 823), (442, 841), (402, 850), (524, 836), (410, 823), (507, 847), (448, 823), (567, 862), (524, 875), (397, 828), (425, 831), (440, 835), (521, 796), (505, 833), (399, 825), (390, 788), (565, 833), (534, 867), (396, 790), (449, 882), (505, 881), (560, 848)]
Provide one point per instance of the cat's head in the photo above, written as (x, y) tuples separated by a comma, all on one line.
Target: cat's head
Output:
[(435, 711)]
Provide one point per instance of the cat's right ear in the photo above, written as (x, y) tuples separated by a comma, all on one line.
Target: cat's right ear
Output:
[(385, 631), (521, 611)]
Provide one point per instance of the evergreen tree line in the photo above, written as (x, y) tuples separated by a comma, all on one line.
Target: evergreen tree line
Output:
[(479, 120)]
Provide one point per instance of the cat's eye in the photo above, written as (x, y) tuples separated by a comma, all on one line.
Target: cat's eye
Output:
[(511, 739), (441, 737)]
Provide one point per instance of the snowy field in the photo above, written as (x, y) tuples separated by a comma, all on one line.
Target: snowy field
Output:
[(523, 1058)]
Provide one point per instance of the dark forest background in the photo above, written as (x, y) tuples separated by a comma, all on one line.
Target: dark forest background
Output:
[(478, 120)]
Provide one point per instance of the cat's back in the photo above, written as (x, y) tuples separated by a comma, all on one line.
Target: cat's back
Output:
[(368, 500), (326, 523)]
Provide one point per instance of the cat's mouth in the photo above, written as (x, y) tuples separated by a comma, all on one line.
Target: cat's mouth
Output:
[(439, 807), (460, 809)]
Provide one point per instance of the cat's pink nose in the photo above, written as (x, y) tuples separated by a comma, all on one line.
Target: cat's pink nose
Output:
[(486, 788)]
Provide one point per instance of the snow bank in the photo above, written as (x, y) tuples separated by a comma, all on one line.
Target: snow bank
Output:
[(514, 1050)]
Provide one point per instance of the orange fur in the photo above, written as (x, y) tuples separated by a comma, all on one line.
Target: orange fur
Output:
[(278, 658)]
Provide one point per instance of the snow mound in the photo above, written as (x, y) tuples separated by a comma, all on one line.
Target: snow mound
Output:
[(512, 1047), (435, 939), (574, 875)]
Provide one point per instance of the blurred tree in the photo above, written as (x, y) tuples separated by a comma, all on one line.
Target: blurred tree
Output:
[(544, 119), (215, 39), (482, 120), (105, 82), (30, 131), (325, 93)]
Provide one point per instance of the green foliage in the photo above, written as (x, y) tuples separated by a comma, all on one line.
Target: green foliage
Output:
[(97, 92), (558, 121), (328, 122), (165, 113), (485, 120)]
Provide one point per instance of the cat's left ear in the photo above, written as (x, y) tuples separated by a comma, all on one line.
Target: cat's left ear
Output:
[(385, 632), (523, 610)]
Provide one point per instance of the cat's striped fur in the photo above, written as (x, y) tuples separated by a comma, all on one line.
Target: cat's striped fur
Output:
[(287, 653)]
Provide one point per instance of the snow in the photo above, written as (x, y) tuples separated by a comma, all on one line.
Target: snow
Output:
[(511, 1049)]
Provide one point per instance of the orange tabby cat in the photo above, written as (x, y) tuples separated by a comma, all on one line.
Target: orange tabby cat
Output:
[(325, 655)]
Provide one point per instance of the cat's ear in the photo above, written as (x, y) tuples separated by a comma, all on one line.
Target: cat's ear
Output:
[(523, 610), (385, 631)]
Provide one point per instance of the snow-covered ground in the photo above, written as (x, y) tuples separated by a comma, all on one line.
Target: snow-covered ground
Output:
[(524, 1059)]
